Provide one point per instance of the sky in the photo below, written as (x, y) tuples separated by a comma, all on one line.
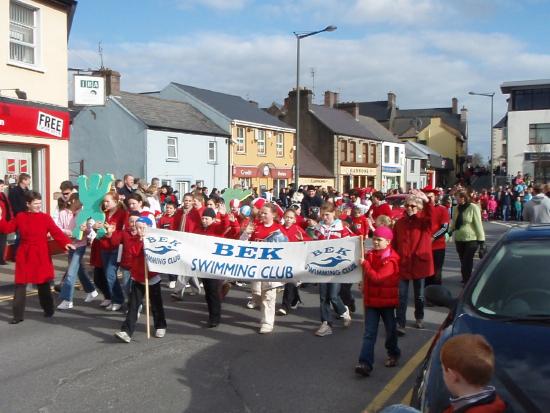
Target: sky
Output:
[(425, 51)]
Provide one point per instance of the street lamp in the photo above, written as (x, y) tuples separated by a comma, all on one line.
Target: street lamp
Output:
[(20, 94), (300, 36), (489, 95)]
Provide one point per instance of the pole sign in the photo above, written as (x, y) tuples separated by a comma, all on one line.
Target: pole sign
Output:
[(89, 90)]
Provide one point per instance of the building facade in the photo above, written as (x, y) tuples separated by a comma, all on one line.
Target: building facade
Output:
[(34, 120)]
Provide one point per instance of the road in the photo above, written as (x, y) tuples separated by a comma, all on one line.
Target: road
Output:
[(73, 362)]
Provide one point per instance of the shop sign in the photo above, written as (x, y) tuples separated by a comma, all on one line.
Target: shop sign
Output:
[(89, 90), (10, 166), (356, 170), (281, 173), (325, 182), (34, 121), (245, 171), (391, 169), (23, 166)]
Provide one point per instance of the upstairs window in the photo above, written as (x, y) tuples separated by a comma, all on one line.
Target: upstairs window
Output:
[(280, 145), (365, 156), (212, 152), (386, 154), (353, 152), (539, 133), (372, 153), (241, 140), (343, 151), (396, 158), (260, 138), (172, 148), (23, 33)]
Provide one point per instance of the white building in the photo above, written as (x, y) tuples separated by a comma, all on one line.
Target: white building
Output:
[(150, 138), (424, 167), (528, 128)]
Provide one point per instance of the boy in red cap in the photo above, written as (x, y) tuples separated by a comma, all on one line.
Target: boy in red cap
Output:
[(381, 297)]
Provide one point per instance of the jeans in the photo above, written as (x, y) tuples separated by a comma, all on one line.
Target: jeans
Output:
[(372, 317), (126, 282), (346, 296), (505, 212), (418, 286), (76, 268), (466, 251), (329, 294), (110, 267), (291, 296)]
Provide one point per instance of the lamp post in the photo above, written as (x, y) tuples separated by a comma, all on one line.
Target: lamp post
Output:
[(489, 95), (300, 36)]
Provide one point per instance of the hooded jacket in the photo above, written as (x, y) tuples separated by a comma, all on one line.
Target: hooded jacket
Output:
[(537, 210), (381, 278)]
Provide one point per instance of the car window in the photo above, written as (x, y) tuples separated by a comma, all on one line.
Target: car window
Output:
[(516, 282)]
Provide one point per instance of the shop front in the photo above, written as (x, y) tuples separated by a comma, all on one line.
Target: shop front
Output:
[(391, 178), (357, 177), (34, 139), (263, 177)]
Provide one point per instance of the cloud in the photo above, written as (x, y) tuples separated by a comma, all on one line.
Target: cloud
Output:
[(424, 69), (221, 5)]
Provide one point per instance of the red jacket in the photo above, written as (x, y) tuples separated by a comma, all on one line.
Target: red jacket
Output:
[(129, 243), (293, 231), (440, 217), (7, 213), (412, 240), (137, 270), (33, 264), (118, 219), (167, 222), (360, 225), (381, 278), (217, 229), (382, 209), (496, 405), (262, 232)]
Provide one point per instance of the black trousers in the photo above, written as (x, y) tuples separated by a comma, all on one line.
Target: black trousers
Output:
[(212, 294), (466, 251), (439, 259), (347, 298), (137, 293), (3, 242), (101, 282), (44, 296), (291, 296)]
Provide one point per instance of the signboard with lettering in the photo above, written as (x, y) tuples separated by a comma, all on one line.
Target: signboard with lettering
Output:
[(27, 120), (357, 170), (89, 90), (537, 156)]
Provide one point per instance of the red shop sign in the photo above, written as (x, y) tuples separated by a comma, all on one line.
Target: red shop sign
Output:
[(34, 121), (245, 171), (23, 166), (10, 166), (281, 173)]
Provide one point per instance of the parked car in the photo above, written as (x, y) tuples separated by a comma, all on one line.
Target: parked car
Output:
[(507, 300)]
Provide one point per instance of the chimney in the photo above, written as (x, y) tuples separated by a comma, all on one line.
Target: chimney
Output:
[(254, 103), (351, 107), (454, 103), (112, 80), (463, 114), (391, 100), (331, 99)]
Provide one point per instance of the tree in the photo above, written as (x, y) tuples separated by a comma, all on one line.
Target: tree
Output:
[(477, 160)]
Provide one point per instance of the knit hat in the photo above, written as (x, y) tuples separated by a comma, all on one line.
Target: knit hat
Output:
[(209, 212), (234, 203), (383, 232), (147, 221), (258, 203)]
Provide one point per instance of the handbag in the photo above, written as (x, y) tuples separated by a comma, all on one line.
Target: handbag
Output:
[(482, 252)]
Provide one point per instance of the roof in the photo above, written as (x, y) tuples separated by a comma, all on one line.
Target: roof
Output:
[(424, 116), (502, 123), (412, 152), (422, 149), (310, 166), (234, 107), (507, 87), (378, 109), (379, 130), (341, 122), (159, 113)]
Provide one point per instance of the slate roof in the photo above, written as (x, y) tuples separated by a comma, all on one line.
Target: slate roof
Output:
[(377, 109), (424, 149), (446, 115), (160, 113), (379, 130), (232, 106), (310, 166), (341, 122), (502, 123), (412, 152)]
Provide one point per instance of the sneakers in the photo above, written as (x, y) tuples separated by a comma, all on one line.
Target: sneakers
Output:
[(363, 369), (400, 331), (160, 332), (172, 285), (324, 330), (347, 317), (266, 329), (90, 296), (295, 306), (123, 336), (419, 324), (177, 295), (105, 303), (65, 305), (113, 307), (281, 311), (251, 305)]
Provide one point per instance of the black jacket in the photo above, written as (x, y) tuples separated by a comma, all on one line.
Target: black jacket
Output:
[(16, 195)]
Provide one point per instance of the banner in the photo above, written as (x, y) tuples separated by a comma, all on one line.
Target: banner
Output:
[(172, 252)]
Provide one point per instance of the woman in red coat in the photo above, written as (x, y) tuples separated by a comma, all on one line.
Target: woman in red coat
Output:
[(33, 264), (413, 242)]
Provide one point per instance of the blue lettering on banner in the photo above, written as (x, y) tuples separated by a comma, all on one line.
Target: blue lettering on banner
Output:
[(330, 261), (162, 250), (225, 269), (259, 253)]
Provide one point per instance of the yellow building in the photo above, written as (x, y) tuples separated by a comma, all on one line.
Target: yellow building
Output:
[(262, 146), (34, 121)]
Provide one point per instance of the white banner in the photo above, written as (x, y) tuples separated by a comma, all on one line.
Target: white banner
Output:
[(173, 252)]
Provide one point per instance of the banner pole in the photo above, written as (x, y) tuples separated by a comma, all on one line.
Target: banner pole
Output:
[(362, 248), (147, 318)]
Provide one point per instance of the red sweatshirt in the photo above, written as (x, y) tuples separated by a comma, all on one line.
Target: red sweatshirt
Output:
[(262, 232), (167, 222), (217, 229), (293, 231), (128, 242), (360, 225), (381, 278)]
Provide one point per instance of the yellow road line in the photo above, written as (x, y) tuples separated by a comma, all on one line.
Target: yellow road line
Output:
[(397, 381), (407, 399), (10, 297)]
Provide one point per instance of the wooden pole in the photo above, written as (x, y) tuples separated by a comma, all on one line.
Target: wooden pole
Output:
[(147, 318), (362, 249)]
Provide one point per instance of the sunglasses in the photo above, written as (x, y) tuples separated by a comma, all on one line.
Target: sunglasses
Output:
[(411, 206), (67, 193)]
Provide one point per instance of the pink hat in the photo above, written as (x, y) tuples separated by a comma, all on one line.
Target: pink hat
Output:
[(258, 203), (234, 203), (383, 232)]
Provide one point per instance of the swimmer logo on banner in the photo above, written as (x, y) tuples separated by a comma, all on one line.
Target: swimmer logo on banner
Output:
[(172, 252)]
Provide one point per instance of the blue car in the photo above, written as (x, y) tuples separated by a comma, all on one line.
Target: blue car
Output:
[(507, 300)]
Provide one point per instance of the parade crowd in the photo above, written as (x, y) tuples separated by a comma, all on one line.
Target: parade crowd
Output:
[(408, 242)]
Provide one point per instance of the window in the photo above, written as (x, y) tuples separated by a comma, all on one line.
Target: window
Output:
[(212, 151), (260, 138), (245, 182), (396, 155), (386, 154), (280, 145), (182, 187), (365, 156), (23, 33), (531, 99), (411, 162), (353, 152), (539, 133), (372, 153), (343, 151), (172, 148), (241, 140), (278, 184)]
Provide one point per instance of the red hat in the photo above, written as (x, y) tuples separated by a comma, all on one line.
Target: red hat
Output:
[(280, 211), (258, 203), (429, 188), (234, 203), (383, 232)]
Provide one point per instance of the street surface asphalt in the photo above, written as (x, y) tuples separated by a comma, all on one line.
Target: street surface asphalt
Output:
[(73, 363)]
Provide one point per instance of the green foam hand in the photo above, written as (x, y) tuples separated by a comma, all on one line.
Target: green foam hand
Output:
[(91, 192), (231, 193)]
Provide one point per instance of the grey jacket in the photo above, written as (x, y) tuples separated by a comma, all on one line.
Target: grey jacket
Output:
[(537, 210)]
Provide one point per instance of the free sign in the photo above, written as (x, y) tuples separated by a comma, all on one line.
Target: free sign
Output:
[(50, 124)]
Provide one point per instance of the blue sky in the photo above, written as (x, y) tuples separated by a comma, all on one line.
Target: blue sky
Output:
[(426, 51)]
